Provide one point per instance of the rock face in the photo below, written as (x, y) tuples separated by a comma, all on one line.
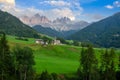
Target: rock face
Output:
[(35, 20), (62, 20), (59, 24)]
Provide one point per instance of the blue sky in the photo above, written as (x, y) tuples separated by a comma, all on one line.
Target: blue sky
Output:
[(88, 10)]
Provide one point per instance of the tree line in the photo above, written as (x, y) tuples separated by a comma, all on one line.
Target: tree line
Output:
[(16, 64), (91, 69)]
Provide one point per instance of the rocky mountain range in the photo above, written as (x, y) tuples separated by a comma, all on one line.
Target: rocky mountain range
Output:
[(35, 20), (59, 24)]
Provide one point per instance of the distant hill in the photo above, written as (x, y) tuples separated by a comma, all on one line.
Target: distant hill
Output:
[(105, 33), (51, 32), (47, 31), (13, 26)]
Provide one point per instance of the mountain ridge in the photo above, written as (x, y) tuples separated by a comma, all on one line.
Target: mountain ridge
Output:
[(59, 24), (51, 32), (11, 25), (102, 32)]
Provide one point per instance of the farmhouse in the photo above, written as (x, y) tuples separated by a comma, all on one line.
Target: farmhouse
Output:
[(56, 42), (39, 41)]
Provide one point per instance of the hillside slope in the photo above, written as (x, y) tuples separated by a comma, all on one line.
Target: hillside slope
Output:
[(13, 26), (105, 33), (51, 32)]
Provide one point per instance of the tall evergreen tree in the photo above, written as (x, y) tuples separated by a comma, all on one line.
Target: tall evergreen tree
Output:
[(5, 59), (89, 64), (45, 76), (80, 69), (118, 72), (24, 61), (108, 65)]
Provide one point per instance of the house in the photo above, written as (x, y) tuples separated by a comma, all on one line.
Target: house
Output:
[(39, 41), (42, 42), (56, 42)]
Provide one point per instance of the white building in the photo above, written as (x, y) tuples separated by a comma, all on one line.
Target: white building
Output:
[(56, 42), (39, 41)]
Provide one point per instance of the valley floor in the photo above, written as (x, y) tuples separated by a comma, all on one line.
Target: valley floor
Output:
[(54, 58)]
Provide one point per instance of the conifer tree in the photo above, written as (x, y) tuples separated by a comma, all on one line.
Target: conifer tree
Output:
[(5, 59), (108, 65), (24, 61), (89, 64)]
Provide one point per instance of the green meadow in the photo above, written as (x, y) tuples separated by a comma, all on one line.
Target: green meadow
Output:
[(63, 59)]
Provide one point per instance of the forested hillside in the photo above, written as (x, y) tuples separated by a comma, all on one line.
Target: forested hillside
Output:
[(13, 26), (105, 33)]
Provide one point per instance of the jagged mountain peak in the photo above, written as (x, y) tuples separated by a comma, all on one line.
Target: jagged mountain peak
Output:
[(37, 15), (62, 20), (59, 24), (35, 19)]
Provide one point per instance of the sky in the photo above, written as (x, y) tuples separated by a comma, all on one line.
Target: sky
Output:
[(76, 10)]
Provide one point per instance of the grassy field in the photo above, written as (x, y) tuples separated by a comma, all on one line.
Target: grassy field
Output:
[(58, 58)]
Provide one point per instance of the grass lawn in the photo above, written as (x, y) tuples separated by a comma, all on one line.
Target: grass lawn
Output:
[(58, 58)]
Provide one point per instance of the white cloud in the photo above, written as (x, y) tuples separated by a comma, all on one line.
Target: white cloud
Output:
[(8, 2), (53, 13), (115, 4), (21, 11), (109, 6), (93, 17), (87, 1), (67, 10), (72, 6), (56, 3)]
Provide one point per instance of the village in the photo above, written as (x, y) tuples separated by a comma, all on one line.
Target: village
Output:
[(53, 42)]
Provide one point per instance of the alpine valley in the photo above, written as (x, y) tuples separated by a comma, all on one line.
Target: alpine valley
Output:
[(59, 39), (60, 27)]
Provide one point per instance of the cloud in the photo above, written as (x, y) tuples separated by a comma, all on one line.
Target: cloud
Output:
[(8, 2), (71, 9), (66, 12), (91, 17), (56, 3), (115, 4), (87, 1), (109, 6), (53, 13), (97, 16), (61, 8)]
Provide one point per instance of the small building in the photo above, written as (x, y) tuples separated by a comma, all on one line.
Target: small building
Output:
[(56, 42), (39, 41)]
